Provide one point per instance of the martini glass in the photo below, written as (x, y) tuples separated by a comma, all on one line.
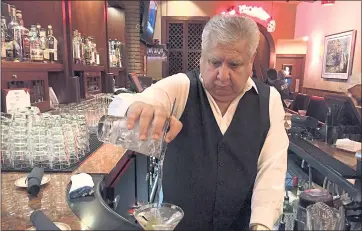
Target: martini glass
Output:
[(156, 216), (288, 102)]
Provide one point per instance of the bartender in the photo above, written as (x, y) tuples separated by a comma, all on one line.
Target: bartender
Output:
[(226, 164)]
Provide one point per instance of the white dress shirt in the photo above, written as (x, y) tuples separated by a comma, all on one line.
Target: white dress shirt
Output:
[(269, 187)]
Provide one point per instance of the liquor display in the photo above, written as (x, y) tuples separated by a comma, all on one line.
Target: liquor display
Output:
[(84, 49), (3, 35), (24, 45), (115, 53)]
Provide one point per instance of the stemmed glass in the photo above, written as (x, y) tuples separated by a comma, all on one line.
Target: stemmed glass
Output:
[(156, 216)]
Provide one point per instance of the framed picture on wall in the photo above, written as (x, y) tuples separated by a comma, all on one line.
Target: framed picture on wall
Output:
[(288, 69), (338, 55)]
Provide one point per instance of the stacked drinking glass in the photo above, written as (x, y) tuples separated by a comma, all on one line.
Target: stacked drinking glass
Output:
[(53, 140)]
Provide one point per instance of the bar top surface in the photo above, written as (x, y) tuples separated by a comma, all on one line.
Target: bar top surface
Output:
[(16, 205)]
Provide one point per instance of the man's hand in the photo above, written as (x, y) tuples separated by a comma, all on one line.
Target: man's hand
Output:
[(147, 114)]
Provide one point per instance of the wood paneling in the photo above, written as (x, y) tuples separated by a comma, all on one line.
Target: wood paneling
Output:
[(320, 92), (298, 62), (116, 22), (88, 17), (262, 58)]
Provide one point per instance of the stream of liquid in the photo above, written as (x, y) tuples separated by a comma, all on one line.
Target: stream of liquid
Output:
[(158, 199), (158, 196)]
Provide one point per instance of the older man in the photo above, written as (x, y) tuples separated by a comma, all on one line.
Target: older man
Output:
[(226, 164)]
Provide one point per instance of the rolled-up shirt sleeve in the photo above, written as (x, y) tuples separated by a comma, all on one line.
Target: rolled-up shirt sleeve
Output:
[(269, 187), (162, 93)]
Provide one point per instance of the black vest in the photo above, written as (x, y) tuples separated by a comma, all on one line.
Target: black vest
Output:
[(210, 175)]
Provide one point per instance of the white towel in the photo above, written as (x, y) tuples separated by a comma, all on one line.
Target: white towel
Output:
[(348, 145), (82, 185)]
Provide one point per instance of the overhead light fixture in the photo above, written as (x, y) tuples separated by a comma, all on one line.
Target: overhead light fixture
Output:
[(305, 38), (327, 2)]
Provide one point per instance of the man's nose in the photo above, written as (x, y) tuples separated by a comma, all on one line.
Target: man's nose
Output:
[(224, 72)]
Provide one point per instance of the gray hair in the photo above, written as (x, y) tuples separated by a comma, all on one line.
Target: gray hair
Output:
[(222, 29), (281, 74)]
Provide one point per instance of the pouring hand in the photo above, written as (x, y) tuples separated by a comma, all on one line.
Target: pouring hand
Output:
[(157, 115)]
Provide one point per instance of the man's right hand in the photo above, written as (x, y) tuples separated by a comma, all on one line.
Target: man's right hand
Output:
[(157, 115)]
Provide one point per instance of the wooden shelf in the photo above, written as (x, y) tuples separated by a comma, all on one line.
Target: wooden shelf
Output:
[(32, 66), (116, 69), (81, 67)]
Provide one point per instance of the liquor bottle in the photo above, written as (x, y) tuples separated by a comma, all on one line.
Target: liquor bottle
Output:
[(35, 45), (110, 51), (13, 50), (3, 35), (52, 46), (87, 52), (97, 55), (92, 51), (38, 27), (120, 54), (85, 49), (117, 53), (76, 47), (114, 56), (43, 45), (81, 49), (25, 40), (32, 36)]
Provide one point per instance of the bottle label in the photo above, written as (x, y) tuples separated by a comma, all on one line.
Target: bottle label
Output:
[(46, 54), (55, 45), (26, 47), (93, 58)]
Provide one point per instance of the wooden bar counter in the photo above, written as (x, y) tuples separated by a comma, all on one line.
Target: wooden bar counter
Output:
[(17, 205)]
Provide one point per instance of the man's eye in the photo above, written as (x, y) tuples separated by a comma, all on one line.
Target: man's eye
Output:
[(234, 65), (215, 63)]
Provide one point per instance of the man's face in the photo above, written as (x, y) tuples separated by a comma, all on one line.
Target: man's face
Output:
[(225, 70)]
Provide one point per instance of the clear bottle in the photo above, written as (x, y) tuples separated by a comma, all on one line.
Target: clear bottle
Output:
[(25, 40), (3, 37), (44, 54), (97, 55), (52, 46), (13, 50), (84, 49), (76, 47), (116, 55), (38, 27), (32, 37), (120, 54), (110, 52), (87, 51), (92, 51), (35, 45), (81, 48)]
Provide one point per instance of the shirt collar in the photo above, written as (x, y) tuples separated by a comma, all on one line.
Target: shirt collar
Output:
[(249, 84)]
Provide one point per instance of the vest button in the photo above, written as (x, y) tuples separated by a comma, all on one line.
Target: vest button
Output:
[(222, 147), (221, 164), (221, 182)]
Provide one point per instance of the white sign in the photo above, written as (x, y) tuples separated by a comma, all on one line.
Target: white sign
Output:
[(16, 98)]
